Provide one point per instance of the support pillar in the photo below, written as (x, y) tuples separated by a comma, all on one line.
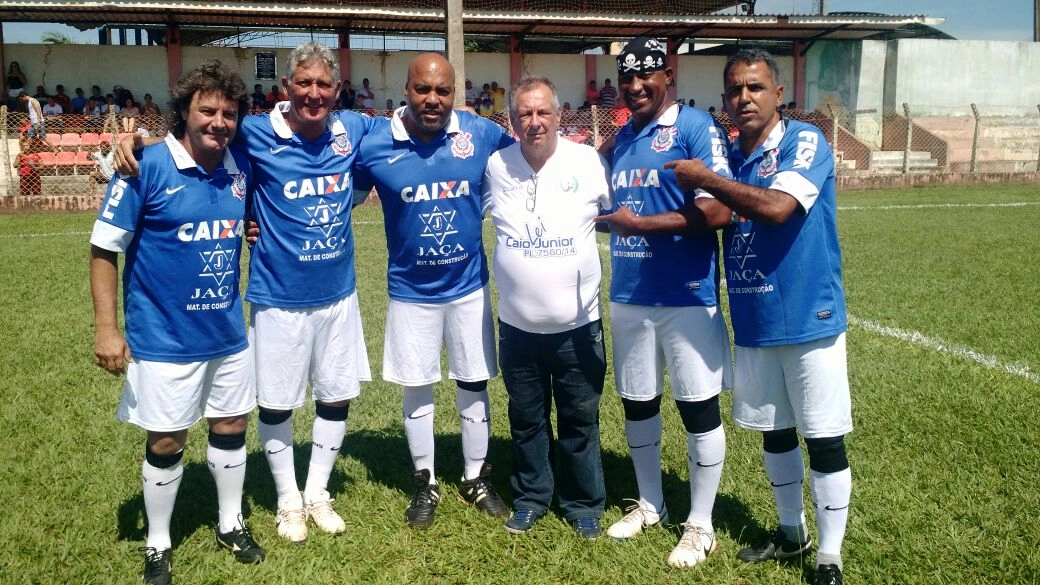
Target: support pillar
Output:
[(344, 55), (798, 89), (672, 62), (173, 54), (516, 61), (455, 47)]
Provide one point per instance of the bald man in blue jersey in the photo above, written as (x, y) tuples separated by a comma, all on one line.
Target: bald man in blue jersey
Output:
[(427, 164)]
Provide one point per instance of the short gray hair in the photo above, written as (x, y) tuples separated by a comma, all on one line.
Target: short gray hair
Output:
[(311, 52), (527, 84)]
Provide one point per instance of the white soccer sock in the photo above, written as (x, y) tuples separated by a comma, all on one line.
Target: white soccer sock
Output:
[(475, 419), (644, 444), (277, 441), (327, 438), (417, 409), (832, 493), (706, 452), (229, 472), (159, 487), (786, 473)]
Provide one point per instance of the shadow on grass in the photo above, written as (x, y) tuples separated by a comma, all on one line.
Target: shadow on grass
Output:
[(384, 454)]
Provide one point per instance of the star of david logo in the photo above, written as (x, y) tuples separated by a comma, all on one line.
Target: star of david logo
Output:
[(437, 224), (218, 264), (324, 216), (740, 248), (636, 205)]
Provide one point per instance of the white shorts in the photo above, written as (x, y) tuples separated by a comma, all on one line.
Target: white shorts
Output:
[(324, 346), (691, 341), (805, 385), (415, 332), (172, 396)]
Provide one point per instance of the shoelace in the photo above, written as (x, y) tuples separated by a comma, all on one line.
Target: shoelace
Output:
[(155, 560), (524, 515), (692, 536), (586, 523)]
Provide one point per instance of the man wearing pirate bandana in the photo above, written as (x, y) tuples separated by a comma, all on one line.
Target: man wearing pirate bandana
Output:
[(664, 295)]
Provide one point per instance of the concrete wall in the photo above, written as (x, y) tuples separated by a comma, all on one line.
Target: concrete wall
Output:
[(942, 77)]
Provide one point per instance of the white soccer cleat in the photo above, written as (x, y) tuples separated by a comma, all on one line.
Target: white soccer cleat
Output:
[(319, 510), (694, 546), (638, 517), (292, 524)]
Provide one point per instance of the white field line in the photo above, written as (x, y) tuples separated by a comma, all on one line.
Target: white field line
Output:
[(935, 206), (937, 344), (47, 235)]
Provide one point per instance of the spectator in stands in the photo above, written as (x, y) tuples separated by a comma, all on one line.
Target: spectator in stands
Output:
[(471, 94), (792, 105), (498, 97), (15, 80), (28, 163), (110, 105), (257, 99), (366, 96), (122, 94), (32, 106), (347, 96), (52, 107), (592, 93), (150, 108), (92, 116), (62, 99), (128, 115), (607, 95), (104, 159), (389, 105), (276, 95), (95, 93), (79, 102), (41, 93)]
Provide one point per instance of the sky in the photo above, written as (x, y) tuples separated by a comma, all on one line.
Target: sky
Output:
[(998, 20)]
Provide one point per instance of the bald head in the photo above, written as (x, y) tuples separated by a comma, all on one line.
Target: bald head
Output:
[(430, 92), (430, 63)]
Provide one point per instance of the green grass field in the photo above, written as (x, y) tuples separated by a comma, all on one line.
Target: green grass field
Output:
[(944, 364)]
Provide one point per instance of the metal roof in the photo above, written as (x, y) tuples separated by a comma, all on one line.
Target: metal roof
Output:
[(340, 14)]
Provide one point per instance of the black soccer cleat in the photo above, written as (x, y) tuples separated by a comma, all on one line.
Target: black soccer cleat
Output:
[(481, 493), (241, 544), (424, 501), (828, 575), (157, 564), (778, 547)]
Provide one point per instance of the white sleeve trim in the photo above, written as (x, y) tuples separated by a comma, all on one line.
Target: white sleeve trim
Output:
[(701, 193), (109, 237), (797, 186)]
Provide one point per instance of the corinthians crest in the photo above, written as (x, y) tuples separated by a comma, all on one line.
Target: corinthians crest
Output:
[(768, 165), (664, 139), (238, 186), (341, 145), (461, 146)]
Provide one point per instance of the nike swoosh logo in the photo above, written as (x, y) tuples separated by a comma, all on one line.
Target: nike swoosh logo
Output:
[(277, 149), (420, 416), (162, 483), (654, 444), (334, 449), (229, 466), (172, 190), (699, 464), (394, 159), (783, 484), (270, 452), (830, 509)]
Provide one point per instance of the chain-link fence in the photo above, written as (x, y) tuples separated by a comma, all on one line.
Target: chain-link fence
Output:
[(74, 158)]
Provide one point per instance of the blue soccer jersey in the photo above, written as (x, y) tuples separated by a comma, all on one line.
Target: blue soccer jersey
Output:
[(784, 281), (431, 203), (302, 202), (181, 231), (659, 270)]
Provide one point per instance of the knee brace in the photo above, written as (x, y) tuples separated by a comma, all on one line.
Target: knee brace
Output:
[(636, 410), (700, 417), (227, 442), (273, 417), (827, 454), (162, 461), (478, 386), (332, 413), (780, 441)]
